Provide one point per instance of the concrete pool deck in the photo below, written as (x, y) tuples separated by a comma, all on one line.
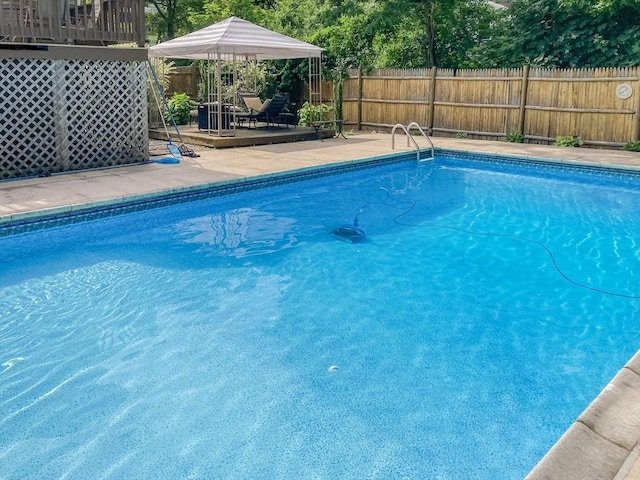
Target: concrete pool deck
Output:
[(603, 443)]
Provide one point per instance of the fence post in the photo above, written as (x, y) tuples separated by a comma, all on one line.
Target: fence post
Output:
[(432, 98), (359, 113), (523, 98)]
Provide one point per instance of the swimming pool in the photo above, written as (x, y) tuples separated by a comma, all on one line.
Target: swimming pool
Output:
[(236, 337)]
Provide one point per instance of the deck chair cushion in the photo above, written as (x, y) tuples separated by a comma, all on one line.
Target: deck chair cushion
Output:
[(264, 107), (250, 102), (254, 104)]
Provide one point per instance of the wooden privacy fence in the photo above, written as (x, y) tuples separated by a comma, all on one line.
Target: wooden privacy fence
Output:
[(601, 106), (184, 80)]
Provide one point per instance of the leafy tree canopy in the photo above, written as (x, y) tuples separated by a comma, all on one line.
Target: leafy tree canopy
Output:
[(572, 33), (423, 33)]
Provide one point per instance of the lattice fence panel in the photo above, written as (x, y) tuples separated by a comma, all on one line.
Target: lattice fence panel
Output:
[(64, 115), (27, 139)]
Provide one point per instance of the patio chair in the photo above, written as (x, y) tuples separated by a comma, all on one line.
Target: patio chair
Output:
[(250, 102), (269, 112)]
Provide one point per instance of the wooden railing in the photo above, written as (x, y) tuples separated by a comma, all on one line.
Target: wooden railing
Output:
[(83, 22)]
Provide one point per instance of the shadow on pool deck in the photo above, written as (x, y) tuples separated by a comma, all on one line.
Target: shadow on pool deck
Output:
[(603, 443)]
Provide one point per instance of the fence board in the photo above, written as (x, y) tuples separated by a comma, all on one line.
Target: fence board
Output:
[(184, 80), (393, 89)]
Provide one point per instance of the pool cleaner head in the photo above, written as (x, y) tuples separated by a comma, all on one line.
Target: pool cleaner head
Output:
[(350, 233)]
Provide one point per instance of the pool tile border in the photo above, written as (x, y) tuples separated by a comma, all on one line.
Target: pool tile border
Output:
[(589, 168)]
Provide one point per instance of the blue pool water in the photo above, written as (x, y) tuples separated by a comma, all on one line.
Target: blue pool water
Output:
[(236, 337)]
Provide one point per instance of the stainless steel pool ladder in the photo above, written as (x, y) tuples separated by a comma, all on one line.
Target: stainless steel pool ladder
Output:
[(407, 131)]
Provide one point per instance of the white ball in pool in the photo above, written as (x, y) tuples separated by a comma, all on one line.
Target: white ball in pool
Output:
[(333, 368)]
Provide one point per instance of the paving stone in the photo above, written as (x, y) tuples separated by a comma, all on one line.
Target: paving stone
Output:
[(615, 413), (580, 454), (634, 473)]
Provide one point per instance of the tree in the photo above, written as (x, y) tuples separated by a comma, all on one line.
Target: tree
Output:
[(348, 38), (466, 29), (573, 33), (342, 27), (212, 11), (414, 21), (177, 17), (426, 33), (169, 16)]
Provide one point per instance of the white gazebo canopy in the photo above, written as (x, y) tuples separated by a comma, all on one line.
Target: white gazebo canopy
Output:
[(235, 37)]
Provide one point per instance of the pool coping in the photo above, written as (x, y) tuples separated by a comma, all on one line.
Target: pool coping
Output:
[(603, 442)]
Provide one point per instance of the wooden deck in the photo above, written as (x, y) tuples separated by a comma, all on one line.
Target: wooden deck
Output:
[(242, 136), (80, 22)]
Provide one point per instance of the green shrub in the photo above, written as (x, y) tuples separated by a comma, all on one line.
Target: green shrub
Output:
[(515, 137), (632, 146), (568, 141), (313, 113), (461, 135), (180, 106)]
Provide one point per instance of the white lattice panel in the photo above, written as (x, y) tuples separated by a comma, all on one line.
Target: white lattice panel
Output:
[(62, 115), (27, 138)]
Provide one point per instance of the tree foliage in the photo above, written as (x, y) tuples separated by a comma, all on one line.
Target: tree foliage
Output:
[(573, 33), (169, 18), (423, 33), (430, 33), (214, 11), (416, 24)]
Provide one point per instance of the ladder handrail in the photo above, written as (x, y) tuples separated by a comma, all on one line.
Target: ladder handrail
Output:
[(393, 136), (415, 124)]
